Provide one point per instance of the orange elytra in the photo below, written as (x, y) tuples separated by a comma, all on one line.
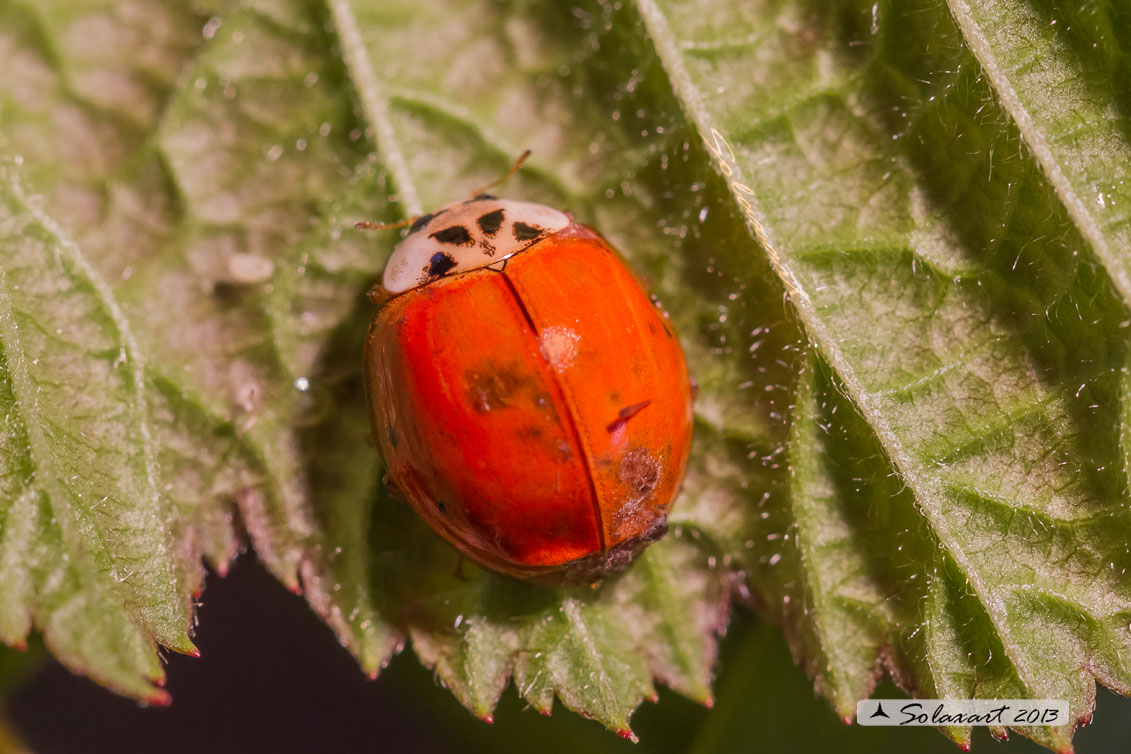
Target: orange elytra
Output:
[(530, 400)]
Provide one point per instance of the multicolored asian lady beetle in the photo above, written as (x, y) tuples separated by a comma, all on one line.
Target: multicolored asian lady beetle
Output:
[(529, 398)]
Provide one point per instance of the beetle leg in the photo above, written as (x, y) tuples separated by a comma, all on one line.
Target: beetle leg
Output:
[(458, 572), (394, 488)]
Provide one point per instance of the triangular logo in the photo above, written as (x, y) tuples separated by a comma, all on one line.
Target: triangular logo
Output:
[(879, 712)]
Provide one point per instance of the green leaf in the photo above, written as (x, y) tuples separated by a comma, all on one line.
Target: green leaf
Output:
[(892, 238), (220, 222), (87, 547), (1060, 75), (183, 270), (938, 272)]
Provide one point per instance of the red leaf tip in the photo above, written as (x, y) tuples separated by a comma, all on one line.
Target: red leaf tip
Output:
[(627, 733), (159, 699), (489, 719)]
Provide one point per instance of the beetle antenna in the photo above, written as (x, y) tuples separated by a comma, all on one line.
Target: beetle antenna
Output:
[(503, 178), (385, 226)]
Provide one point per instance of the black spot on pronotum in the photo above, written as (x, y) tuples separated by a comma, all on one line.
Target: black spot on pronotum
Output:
[(440, 264), (524, 232), (421, 221), (456, 235), (481, 198), (491, 222)]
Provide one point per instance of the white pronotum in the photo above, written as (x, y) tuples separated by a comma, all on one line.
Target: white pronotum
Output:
[(468, 235)]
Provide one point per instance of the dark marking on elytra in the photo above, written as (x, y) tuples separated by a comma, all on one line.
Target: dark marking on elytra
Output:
[(625, 414), (456, 235), (524, 232), (554, 443), (481, 198), (491, 222), (493, 388), (392, 433), (442, 507), (440, 264), (640, 472)]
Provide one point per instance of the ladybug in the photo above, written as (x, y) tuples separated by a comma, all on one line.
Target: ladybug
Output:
[(530, 400)]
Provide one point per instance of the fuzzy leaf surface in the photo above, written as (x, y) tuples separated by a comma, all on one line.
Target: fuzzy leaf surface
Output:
[(891, 237)]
